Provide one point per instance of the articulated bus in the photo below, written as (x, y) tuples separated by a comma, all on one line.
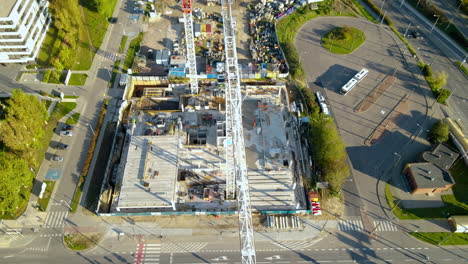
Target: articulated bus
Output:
[(354, 81), (348, 86)]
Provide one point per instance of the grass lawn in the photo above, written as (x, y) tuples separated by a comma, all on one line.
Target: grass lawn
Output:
[(456, 204), (123, 42), (436, 238), (131, 52), (343, 40), (462, 67), (82, 241), (77, 79), (115, 70), (47, 49), (44, 201), (73, 120)]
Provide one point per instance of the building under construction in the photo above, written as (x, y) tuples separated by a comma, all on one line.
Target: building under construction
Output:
[(173, 150)]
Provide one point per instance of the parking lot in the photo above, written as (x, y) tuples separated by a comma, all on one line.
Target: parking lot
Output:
[(328, 72)]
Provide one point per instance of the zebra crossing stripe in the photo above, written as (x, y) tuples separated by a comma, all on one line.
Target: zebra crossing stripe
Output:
[(55, 219)]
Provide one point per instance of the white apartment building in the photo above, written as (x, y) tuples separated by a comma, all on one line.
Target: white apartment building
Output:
[(23, 27)]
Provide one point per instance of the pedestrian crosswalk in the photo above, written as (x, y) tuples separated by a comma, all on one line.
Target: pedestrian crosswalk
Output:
[(350, 225), (356, 225), (385, 226), (56, 219), (183, 247), (294, 245), (108, 55), (147, 253)]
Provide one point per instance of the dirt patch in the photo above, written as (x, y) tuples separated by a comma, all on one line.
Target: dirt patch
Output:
[(375, 94), (82, 241), (389, 122)]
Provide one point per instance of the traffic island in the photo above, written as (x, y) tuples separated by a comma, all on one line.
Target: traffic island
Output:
[(343, 40), (82, 241)]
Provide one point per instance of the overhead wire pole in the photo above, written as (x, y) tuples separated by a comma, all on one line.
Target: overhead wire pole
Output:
[(235, 160), (190, 45)]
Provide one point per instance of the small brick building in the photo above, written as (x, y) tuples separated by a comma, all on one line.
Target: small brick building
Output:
[(432, 175), (425, 177)]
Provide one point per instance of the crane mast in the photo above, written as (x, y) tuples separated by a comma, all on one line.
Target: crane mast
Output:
[(190, 44), (236, 167)]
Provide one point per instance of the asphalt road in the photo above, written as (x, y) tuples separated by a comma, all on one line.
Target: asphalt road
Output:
[(338, 247), (439, 51)]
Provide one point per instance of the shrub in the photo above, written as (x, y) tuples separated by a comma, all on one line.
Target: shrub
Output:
[(439, 132), (427, 70), (443, 95), (438, 80)]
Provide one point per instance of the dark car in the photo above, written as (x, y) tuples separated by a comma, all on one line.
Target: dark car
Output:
[(113, 20), (67, 128), (151, 54), (64, 146), (416, 35)]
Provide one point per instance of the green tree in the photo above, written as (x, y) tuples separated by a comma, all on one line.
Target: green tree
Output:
[(23, 126), (15, 180), (443, 96), (438, 80), (330, 153), (439, 132)]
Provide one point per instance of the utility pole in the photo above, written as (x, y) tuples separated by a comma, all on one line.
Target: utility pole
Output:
[(443, 240)]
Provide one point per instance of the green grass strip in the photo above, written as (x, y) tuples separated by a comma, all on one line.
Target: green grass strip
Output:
[(44, 201), (343, 40), (444, 238), (123, 42)]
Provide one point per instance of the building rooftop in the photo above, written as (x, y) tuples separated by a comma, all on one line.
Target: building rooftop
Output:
[(441, 155), (428, 176), (7, 6), (150, 172)]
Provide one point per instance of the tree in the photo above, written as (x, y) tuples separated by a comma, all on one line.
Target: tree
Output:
[(438, 80), (23, 126), (439, 132), (15, 178), (330, 153)]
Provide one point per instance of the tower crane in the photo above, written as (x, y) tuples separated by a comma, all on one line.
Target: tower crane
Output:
[(236, 167), (190, 44)]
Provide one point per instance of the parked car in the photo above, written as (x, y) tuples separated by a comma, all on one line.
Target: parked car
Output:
[(416, 35), (151, 55), (320, 97), (67, 128), (113, 20), (57, 158), (66, 133), (63, 146)]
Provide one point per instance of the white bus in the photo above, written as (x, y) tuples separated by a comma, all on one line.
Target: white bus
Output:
[(361, 75), (348, 86)]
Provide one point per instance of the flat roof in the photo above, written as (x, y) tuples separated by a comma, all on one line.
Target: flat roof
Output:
[(151, 160), (442, 156), (427, 175), (7, 6)]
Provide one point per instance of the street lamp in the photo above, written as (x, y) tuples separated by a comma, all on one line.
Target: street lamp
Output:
[(406, 31), (435, 23), (402, 2), (399, 157)]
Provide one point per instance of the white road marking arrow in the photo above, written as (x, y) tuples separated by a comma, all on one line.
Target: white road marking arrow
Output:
[(221, 258), (274, 257)]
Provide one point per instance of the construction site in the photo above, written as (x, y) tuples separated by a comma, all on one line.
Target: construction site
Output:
[(174, 149), (208, 131)]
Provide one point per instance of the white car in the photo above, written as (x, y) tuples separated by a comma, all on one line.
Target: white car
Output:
[(320, 97), (66, 133), (57, 158), (324, 108)]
